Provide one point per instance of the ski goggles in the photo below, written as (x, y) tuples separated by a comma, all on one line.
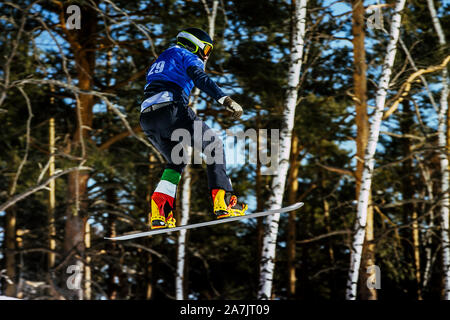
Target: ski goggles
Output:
[(204, 47)]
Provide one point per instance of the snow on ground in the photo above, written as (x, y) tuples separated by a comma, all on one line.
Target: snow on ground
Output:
[(7, 298)]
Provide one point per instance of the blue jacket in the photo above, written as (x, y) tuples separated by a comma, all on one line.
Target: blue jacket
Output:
[(177, 70)]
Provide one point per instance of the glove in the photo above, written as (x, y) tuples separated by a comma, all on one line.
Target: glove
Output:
[(233, 107)]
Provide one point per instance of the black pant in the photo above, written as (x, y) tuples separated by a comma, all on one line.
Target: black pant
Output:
[(159, 126)]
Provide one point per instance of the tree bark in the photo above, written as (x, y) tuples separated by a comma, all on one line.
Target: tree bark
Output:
[(51, 197), (368, 258), (83, 46), (149, 277), (113, 269), (87, 294), (291, 237), (279, 181), (369, 158), (362, 134), (10, 246), (153, 180), (360, 87), (408, 187), (445, 202), (260, 185), (429, 233), (182, 238)]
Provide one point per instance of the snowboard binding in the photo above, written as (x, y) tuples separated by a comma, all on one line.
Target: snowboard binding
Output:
[(226, 204)]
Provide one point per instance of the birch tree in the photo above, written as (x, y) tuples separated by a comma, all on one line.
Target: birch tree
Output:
[(362, 131), (186, 190), (443, 159), (270, 237), (369, 157)]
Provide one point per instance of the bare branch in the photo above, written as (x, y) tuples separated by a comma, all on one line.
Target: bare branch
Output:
[(27, 147), (422, 78), (41, 186), (404, 90), (323, 236), (140, 27), (103, 97), (337, 170)]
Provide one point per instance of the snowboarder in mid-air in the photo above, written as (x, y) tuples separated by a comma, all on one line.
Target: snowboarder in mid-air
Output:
[(170, 80)]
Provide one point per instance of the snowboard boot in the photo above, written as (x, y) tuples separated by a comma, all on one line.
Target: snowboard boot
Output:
[(226, 204), (161, 215), (163, 200)]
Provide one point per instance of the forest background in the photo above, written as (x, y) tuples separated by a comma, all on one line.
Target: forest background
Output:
[(75, 166)]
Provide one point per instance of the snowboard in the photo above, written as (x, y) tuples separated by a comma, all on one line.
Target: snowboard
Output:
[(140, 234)]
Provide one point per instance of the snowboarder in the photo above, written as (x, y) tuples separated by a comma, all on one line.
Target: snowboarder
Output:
[(170, 80)]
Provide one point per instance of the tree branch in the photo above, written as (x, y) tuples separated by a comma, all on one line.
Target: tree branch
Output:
[(404, 90), (41, 186)]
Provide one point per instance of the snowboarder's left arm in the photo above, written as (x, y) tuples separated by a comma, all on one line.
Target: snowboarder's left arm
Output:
[(204, 83)]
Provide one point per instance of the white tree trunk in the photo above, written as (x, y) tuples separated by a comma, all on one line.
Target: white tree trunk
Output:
[(185, 207), (369, 160), (443, 160), (429, 233), (186, 191), (279, 181)]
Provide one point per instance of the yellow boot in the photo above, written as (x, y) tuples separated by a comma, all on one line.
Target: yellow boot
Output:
[(226, 204), (161, 215)]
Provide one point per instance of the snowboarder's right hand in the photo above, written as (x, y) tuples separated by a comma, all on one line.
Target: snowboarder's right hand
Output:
[(233, 107)]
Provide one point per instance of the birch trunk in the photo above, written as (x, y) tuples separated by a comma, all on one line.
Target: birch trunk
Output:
[(362, 134), (185, 207), (279, 181), (428, 241), (443, 159), (366, 180), (186, 191)]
